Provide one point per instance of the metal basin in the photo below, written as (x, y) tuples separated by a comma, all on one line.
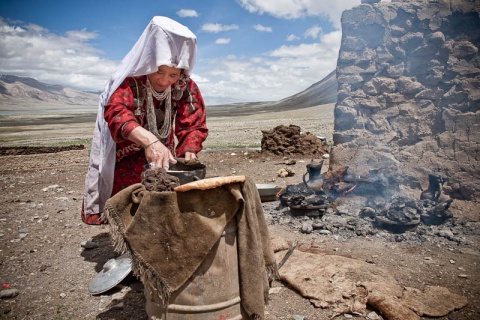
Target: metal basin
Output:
[(268, 191), (187, 172), (113, 272)]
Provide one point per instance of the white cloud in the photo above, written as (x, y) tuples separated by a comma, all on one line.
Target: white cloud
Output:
[(292, 37), (187, 13), (329, 45), (71, 60), (313, 32), (222, 41), (199, 79), (81, 35), (216, 27), (302, 50), (261, 28), (293, 9), (32, 51), (274, 76)]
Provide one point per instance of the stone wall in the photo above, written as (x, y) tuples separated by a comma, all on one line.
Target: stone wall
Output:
[(409, 94)]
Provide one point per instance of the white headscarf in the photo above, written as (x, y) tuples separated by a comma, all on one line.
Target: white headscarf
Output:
[(163, 42)]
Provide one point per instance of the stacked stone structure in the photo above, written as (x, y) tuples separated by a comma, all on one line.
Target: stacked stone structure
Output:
[(409, 94)]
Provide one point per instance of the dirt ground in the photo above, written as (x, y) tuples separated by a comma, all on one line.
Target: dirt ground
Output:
[(47, 271)]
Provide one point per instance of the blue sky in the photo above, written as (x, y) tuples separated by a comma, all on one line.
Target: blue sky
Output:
[(248, 50)]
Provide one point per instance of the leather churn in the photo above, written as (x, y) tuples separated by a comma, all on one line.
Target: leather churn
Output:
[(212, 292)]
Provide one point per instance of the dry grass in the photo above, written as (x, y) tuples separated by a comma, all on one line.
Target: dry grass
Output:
[(47, 135), (225, 132), (245, 131)]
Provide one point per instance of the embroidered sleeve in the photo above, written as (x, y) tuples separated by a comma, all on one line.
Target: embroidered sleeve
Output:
[(119, 113), (190, 126), (128, 127)]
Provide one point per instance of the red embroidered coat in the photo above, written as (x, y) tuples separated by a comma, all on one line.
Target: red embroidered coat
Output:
[(189, 124)]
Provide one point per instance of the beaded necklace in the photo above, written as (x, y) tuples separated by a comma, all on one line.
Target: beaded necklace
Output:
[(151, 117)]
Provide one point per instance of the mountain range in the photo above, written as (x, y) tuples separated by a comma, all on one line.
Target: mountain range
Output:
[(20, 94), (319, 93)]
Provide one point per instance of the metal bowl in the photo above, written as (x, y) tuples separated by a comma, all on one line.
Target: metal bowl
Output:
[(268, 191), (113, 272), (187, 172)]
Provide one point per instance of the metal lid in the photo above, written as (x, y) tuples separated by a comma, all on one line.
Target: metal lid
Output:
[(113, 272)]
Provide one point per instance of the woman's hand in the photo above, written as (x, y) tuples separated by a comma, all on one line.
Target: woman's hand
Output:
[(190, 156), (158, 156)]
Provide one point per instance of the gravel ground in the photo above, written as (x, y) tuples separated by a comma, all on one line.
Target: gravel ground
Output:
[(45, 268)]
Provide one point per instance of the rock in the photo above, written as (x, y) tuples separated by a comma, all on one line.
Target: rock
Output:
[(290, 162), (9, 293), (119, 305), (89, 245), (373, 316), (446, 233), (22, 235), (307, 227), (285, 172), (325, 232), (51, 187), (275, 290)]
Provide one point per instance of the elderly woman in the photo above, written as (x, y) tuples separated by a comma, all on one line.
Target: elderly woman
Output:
[(149, 100)]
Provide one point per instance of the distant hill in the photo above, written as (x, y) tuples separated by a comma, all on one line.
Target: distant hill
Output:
[(20, 94), (28, 94), (322, 92)]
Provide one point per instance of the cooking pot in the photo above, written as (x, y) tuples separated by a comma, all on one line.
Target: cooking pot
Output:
[(187, 171)]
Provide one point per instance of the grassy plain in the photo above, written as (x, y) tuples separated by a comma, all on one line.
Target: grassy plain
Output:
[(232, 131)]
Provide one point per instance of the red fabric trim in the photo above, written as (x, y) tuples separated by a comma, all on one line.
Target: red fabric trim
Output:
[(128, 127), (190, 124), (93, 219)]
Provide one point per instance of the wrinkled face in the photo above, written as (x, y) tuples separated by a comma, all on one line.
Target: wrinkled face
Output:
[(164, 77)]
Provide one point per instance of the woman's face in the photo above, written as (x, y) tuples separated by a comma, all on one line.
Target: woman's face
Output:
[(164, 77)]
